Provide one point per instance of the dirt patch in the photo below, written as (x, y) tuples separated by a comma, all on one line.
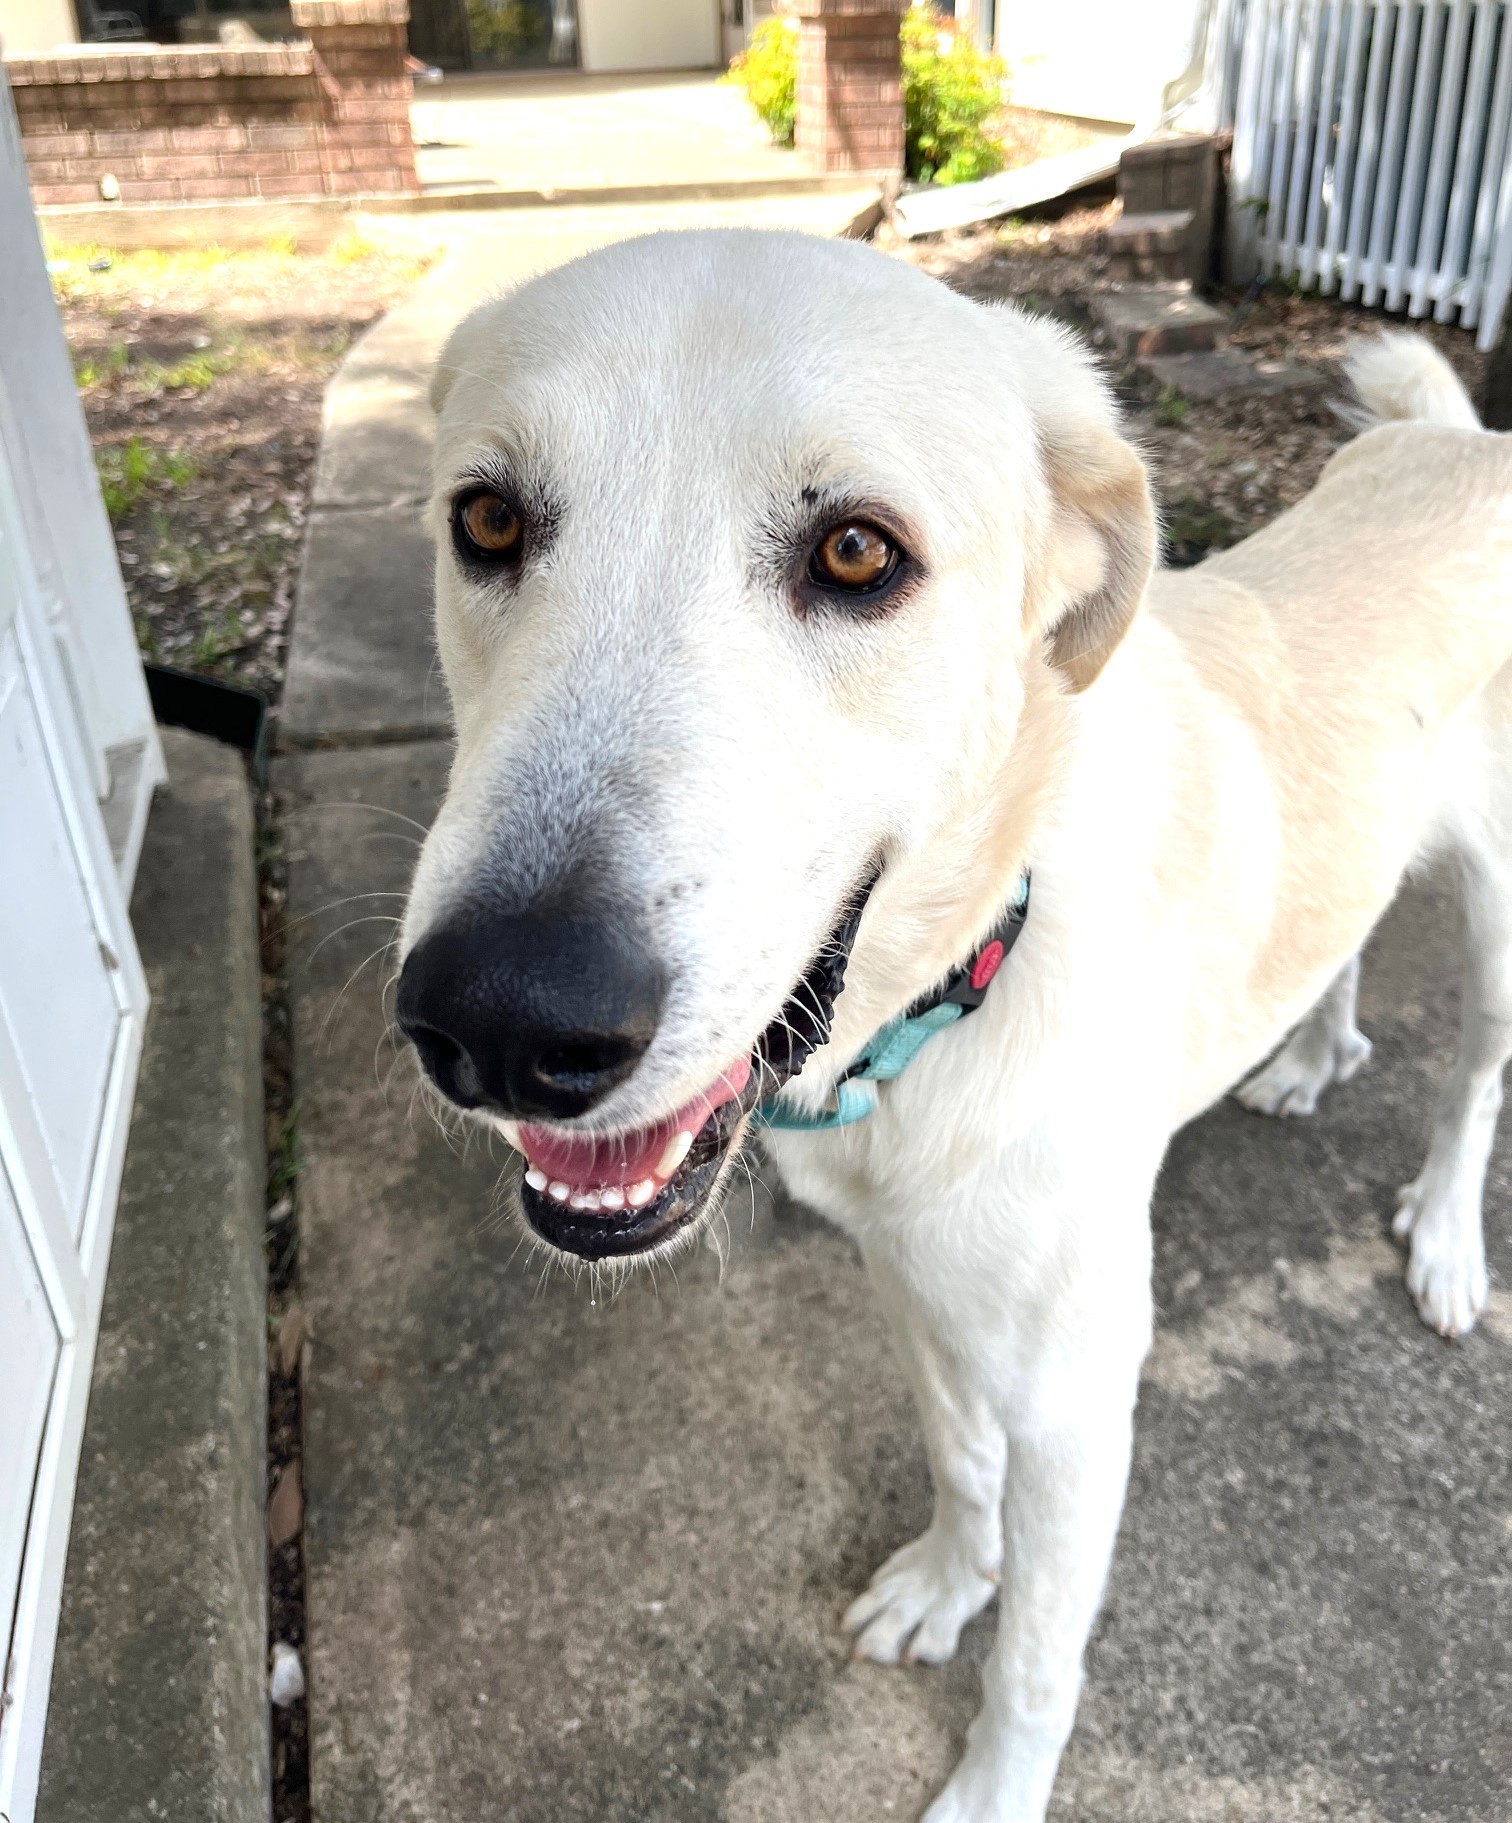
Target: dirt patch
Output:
[(1222, 467), (202, 373)]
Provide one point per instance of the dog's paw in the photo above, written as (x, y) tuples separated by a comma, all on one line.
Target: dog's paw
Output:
[(918, 1602), (1301, 1070), (1446, 1262)]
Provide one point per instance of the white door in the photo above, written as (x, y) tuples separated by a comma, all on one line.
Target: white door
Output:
[(649, 34), (76, 744)]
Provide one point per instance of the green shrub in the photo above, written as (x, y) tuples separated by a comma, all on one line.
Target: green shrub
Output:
[(768, 72), (951, 90), (506, 29)]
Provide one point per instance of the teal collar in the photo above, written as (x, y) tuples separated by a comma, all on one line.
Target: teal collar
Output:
[(894, 1048)]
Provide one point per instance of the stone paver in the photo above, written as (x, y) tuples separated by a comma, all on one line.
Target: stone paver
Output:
[(575, 1556), (1225, 373), (159, 1708), (1157, 320)]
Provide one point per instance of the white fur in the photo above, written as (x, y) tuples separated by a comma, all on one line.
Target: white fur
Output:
[(1400, 376), (1204, 867)]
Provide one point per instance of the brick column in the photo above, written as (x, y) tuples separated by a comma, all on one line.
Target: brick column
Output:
[(850, 84), (360, 48)]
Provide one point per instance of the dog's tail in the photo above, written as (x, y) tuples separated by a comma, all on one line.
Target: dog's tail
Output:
[(1399, 375)]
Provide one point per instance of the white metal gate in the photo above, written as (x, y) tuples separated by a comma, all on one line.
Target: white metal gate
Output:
[(1373, 150), (78, 760)]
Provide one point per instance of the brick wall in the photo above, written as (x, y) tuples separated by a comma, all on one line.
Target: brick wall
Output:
[(209, 122), (850, 84)]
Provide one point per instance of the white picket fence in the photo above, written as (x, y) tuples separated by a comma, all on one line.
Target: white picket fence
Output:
[(1372, 150)]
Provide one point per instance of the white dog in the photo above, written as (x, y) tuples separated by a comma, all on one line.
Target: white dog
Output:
[(798, 615)]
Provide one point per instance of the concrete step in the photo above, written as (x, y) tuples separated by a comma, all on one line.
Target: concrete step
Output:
[(1157, 319), (159, 1705), (1150, 248), (1161, 231)]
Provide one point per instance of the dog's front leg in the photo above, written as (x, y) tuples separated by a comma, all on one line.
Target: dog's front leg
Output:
[(924, 1594), (1068, 1418)]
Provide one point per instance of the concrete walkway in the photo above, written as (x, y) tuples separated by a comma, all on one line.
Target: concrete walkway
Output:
[(578, 1560), (565, 131)]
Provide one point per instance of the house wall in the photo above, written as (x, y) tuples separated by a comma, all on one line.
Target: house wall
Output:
[(28, 27), (1100, 59), (649, 34), (207, 122)]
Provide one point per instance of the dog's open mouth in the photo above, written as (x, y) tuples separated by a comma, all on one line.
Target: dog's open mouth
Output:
[(607, 1195)]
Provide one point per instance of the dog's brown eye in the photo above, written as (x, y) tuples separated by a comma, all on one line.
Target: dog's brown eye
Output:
[(853, 555), (487, 527)]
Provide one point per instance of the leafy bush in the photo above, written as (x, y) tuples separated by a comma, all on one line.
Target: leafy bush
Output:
[(951, 90), (505, 29), (768, 72)]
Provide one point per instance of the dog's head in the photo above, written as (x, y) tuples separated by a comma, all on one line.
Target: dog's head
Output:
[(767, 568)]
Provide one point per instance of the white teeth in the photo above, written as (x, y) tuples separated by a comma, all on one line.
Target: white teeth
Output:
[(638, 1195), (676, 1151), (558, 1192), (536, 1179), (612, 1198), (578, 1200), (591, 1201)]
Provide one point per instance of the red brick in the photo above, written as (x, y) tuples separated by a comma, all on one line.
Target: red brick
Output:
[(255, 164), (66, 193), (133, 143), (48, 170), (271, 136), (356, 181), (209, 139), (144, 190), (55, 145), (289, 185), (372, 158), (362, 132), (192, 188), (178, 164), (379, 108)]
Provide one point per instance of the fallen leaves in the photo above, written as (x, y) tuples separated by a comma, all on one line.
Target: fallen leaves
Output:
[(286, 1506)]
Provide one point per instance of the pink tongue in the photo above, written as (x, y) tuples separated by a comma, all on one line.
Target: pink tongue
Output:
[(590, 1162)]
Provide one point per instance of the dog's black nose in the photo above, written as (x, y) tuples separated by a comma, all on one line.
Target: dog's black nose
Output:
[(533, 1015)]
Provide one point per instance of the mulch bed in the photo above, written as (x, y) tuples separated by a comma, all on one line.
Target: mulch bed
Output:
[(1223, 467), (202, 373)]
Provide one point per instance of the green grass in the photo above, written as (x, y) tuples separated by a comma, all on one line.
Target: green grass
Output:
[(283, 1158), (1171, 406), (130, 471)]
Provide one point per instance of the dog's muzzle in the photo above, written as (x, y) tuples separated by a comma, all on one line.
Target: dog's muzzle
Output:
[(537, 1020)]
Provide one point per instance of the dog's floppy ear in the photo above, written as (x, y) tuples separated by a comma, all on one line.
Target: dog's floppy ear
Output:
[(1091, 554), (466, 351)]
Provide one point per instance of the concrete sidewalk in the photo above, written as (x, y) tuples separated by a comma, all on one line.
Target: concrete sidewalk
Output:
[(578, 1560), (563, 131)]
